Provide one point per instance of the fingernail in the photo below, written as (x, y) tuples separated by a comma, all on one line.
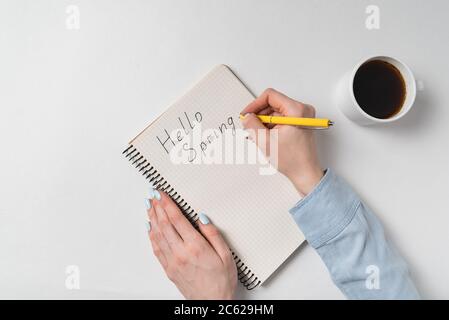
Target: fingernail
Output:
[(147, 204), (154, 194), (203, 218), (148, 225)]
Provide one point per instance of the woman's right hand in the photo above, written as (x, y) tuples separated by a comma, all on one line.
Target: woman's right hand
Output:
[(297, 156)]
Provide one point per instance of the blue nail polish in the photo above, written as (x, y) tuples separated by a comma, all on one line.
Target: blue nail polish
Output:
[(157, 195), (151, 195), (148, 225), (147, 204), (203, 218)]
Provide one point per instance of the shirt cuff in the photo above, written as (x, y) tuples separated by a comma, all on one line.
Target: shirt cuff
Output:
[(327, 210)]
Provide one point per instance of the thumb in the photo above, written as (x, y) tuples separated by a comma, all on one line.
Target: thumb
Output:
[(257, 131), (251, 121), (213, 235)]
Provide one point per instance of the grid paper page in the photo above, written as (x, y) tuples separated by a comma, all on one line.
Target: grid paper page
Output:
[(250, 209)]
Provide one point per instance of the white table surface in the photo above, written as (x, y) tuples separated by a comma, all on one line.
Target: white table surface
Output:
[(71, 99)]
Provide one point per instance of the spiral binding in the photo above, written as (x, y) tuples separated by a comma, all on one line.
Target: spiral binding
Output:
[(245, 275)]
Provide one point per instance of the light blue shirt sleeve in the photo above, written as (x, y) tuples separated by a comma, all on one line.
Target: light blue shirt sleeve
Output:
[(351, 242)]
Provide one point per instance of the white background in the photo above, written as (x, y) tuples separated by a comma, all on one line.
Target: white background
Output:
[(71, 99)]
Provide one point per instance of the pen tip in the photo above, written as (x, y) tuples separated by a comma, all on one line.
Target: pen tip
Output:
[(331, 123)]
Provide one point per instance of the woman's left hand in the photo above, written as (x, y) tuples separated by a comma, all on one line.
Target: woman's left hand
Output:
[(199, 264)]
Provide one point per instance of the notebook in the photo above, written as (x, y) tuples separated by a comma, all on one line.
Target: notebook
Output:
[(249, 206)]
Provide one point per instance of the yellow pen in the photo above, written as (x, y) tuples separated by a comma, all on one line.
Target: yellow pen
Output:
[(312, 123)]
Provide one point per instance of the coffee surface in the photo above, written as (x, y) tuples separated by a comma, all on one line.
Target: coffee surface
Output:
[(379, 89)]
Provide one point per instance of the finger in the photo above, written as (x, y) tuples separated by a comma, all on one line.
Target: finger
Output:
[(272, 98), (182, 226), (158, 253), (150, 210), (272, 125), (251, 121), (309, 111), (156, 236), (257, 131), (214, 237), (160, 247), (267, 111), (158, 243), (166, 228)]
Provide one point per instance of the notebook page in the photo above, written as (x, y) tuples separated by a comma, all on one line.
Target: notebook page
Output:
[(250, 209)]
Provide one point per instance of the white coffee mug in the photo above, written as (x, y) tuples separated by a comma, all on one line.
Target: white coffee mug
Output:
[(347, 102)]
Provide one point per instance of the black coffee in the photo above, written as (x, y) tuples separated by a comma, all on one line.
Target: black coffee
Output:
[(379, 89)]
